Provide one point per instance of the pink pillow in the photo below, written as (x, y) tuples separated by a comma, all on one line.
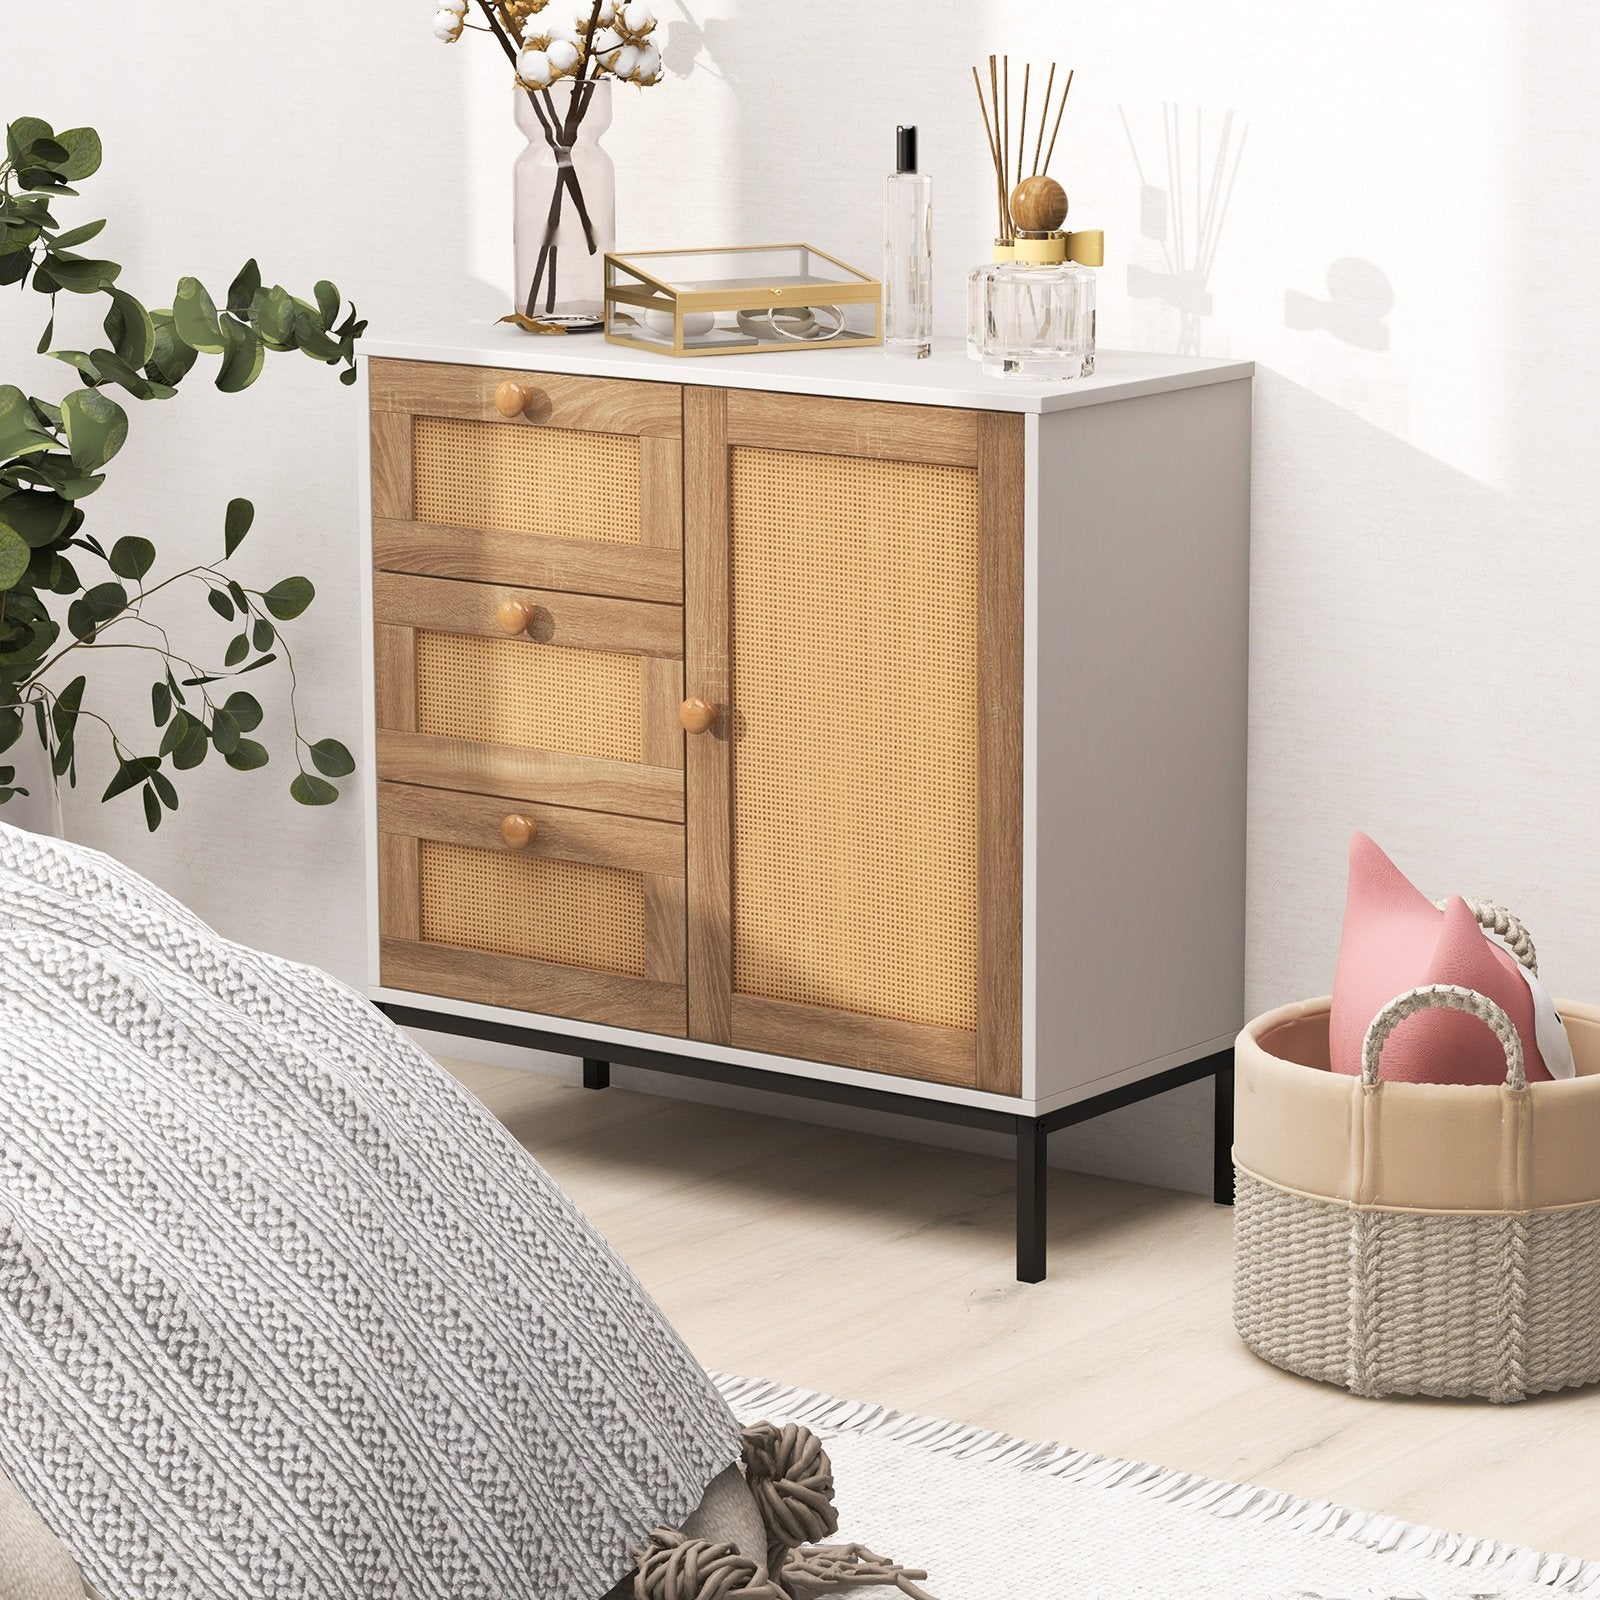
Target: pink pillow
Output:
[(1396, 939)]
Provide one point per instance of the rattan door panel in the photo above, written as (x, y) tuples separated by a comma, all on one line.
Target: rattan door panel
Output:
[(580, 709), (584, 921), (854, 605), (580, 492)]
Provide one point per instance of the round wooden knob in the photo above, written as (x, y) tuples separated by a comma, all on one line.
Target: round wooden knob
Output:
[(518, 831), (696, 715), (514, 616), (511, 398), (1038, 205)]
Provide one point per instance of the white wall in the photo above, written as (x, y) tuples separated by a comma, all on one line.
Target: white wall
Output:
[(1407, 251)]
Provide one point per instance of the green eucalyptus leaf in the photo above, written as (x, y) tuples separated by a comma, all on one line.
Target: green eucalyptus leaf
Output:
[(273, 315), (160, 703), (262, 633), (327, 302), (22, 134), (311, 338), (73, 237), (313, 791), (37, 516), (219, 602), (152, 809), (260, 661), (14, 558), (194, 318), (83, 153), (243, 358), (130, 328), (81, 360), (245, 710), (192, 751), (176, 732), (96, 427), (113, 369), (162, 785), (20, 434), (172, 358), (288, 598), (331, 759), (238, 649), (244, 288), (246, 756), (132, 557), (77, 276), (236, 524), (224, 731), (130, 774)]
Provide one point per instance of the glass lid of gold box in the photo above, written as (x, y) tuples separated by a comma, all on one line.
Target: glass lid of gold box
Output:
[(757, 297)]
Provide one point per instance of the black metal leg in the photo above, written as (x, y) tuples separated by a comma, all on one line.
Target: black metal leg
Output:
[(1033, 1145), (1222, 1136), (596, 1074)]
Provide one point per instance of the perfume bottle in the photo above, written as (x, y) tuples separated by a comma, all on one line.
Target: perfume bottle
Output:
[(1033, 316), (908, 254)]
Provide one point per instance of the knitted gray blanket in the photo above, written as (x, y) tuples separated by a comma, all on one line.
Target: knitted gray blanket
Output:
[(284, 1312)]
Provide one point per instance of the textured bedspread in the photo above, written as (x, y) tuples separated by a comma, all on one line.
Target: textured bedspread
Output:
[(283, 1311)]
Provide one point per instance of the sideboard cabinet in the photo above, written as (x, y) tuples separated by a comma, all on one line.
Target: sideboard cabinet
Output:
[(868, 730)]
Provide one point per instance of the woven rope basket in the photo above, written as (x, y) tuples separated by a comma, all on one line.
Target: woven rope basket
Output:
[(1413, 1238)]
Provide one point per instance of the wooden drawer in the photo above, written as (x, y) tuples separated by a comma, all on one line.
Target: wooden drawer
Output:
[(584, 920), (582, 491), (580, 710)]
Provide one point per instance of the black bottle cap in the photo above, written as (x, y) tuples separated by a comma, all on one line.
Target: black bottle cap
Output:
[(905, 149)]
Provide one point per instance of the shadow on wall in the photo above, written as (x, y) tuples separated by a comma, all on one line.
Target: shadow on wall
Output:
[(1359, 297), (1361, 661), (1185, 188)]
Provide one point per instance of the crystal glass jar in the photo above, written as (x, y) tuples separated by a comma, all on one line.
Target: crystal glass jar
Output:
[(1033, 316)]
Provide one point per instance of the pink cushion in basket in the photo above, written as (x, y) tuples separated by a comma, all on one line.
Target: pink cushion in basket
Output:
[(1396, 939)]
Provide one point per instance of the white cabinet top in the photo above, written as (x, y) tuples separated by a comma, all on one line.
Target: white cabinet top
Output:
[(946, 378)]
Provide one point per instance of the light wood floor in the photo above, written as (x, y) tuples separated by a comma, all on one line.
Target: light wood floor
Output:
[(881, 1270)]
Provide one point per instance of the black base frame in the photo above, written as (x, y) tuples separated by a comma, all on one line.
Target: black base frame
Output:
[(1032, 1134)]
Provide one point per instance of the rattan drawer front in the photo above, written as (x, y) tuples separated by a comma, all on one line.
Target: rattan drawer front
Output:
[(571, 912), (553, 482), (582, 491), (498, 691), (580, 709), (582, 915), (855, 780)]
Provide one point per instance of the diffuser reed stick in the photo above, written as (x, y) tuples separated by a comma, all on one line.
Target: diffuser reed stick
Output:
[(996, 113)]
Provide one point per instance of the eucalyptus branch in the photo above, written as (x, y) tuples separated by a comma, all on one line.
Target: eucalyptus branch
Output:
[(53, 457)]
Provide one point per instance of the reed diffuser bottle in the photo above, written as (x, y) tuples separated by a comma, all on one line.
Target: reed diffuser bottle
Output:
[(908, 254), (1031, 311)]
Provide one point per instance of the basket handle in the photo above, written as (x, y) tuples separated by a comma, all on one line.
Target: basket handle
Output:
[(1452, 998), (1507, 925)]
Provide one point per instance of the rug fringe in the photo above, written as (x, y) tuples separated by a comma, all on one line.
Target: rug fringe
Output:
[(751, 1397)]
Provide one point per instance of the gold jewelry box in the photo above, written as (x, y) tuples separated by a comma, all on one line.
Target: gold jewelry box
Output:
[(735, 300)]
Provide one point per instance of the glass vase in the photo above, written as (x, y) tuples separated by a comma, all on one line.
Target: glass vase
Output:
[(566, 202)]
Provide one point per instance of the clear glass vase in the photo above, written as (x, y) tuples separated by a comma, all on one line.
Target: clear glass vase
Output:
[(566, 202)]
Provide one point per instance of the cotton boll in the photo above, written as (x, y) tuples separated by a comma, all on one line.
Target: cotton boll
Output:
[(534, 69), (637, 18), (458, 6), (563, 57), (647, 69), (625, 61), (447, 26), (606, 43)]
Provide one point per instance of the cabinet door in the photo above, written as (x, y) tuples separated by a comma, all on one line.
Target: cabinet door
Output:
[(580, 491), (854, 612)]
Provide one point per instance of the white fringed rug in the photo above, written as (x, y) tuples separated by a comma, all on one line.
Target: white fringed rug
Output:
[(997, 1518)]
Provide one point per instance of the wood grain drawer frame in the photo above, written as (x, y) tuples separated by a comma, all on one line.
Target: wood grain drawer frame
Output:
[(653, 1002), (404, 605), (401, 391)]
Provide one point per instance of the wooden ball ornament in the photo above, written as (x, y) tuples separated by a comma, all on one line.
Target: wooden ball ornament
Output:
[(1038, 205)]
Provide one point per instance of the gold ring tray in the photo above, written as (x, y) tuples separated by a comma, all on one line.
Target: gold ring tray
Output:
[(733, 301)]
